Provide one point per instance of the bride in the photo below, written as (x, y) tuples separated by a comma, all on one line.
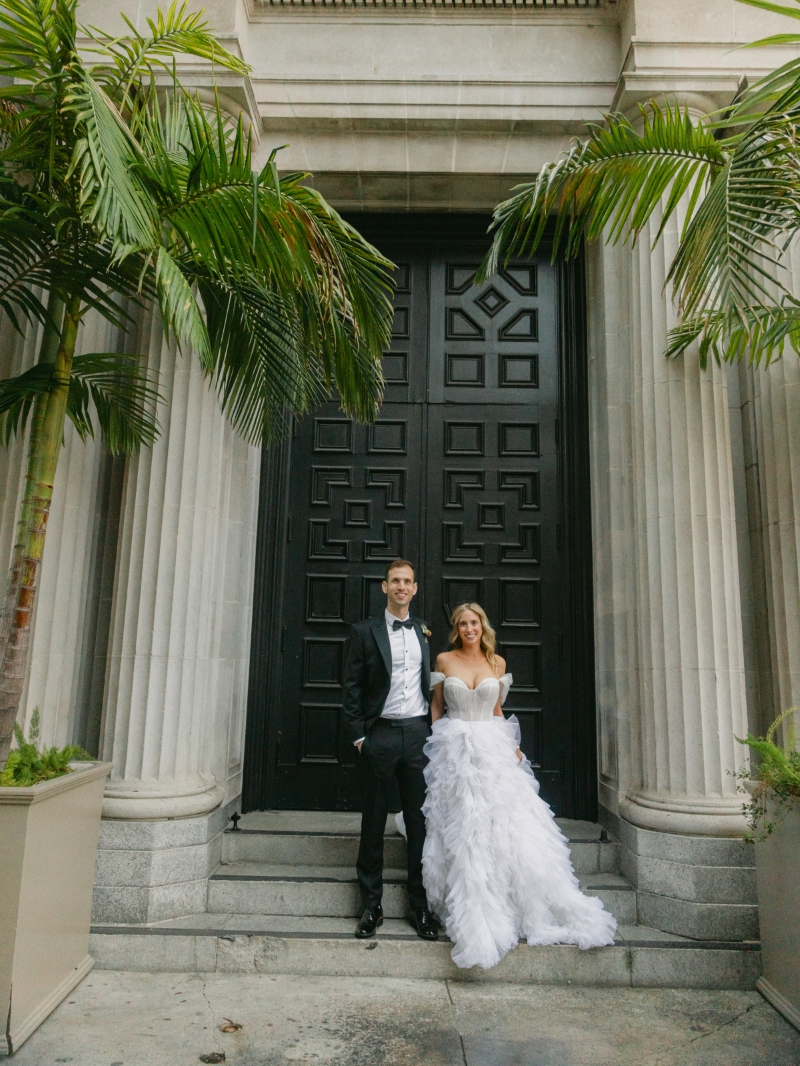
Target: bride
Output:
[(496, 867)]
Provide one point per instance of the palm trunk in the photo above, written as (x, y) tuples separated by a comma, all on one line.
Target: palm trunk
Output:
[(44, 449)]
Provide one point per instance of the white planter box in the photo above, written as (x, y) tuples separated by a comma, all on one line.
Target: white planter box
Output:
[(778, 877), (49, 840)]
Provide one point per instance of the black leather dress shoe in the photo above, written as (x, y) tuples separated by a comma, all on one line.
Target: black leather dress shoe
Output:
[(370, 920), (425, 925)]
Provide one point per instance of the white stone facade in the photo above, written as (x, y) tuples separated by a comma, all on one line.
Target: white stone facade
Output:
[(435, 106)]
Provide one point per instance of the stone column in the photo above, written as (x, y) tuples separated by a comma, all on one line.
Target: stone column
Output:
[(176, 679), (671, 681)]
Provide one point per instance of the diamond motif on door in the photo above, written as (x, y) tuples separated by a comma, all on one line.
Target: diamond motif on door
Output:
[(523, 326), (460, 327), (491, 301)]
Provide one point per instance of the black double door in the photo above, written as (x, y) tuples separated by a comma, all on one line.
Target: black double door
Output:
[(460, 474)]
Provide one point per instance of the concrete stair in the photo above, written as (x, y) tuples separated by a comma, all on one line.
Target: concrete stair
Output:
[(284, 899)]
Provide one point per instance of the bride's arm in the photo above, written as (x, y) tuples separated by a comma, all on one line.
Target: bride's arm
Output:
[(500, 668), (437, 703)]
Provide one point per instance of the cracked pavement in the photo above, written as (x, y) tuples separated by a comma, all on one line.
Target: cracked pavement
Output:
[(144, 1019)]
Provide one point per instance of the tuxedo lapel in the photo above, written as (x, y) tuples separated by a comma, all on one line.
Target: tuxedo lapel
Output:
[(382, 640)]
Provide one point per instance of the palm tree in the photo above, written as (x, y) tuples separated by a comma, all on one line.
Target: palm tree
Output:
[(734, 176), (115, 194)]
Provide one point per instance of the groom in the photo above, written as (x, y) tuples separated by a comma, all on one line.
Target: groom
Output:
[(386, 692)]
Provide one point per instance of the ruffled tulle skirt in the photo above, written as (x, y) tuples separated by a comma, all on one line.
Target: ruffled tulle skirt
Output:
[(496, 866)]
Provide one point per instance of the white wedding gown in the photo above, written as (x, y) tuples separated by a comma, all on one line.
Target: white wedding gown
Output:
[(496, 866)]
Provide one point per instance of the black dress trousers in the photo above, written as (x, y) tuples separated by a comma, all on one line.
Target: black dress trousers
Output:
[(392, 750)]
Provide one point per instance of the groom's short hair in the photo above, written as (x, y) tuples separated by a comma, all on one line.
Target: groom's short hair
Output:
[(398, 564)]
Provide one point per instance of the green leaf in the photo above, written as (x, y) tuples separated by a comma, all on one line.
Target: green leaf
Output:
[(124, 396), (17, 397)]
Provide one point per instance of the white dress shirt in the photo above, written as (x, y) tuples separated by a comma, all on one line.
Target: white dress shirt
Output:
[(405, 699)]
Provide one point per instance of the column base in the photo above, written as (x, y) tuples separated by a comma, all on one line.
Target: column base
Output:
[(689, 883), (152, 869), (143, 800), (687, 816)]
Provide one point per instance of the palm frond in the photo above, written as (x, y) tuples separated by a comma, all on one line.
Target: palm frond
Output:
[(616, 179), (758, 333), (124, 396), (17, 397)]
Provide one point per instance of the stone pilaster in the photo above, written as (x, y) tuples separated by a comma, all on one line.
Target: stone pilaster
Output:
[(692, 679)]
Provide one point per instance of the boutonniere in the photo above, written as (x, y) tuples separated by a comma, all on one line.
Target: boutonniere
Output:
[(426, 632)]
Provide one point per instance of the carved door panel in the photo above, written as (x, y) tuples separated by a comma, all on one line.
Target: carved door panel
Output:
[(462, 473), (355, 502), (492, 501)]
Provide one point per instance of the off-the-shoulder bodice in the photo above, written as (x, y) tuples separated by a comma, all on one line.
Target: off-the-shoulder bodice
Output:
[(472, 704)]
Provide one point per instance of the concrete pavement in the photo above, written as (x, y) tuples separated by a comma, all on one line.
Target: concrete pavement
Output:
[(137, 1019)]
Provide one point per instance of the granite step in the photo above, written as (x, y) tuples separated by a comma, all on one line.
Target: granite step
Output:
[(320, 946), (331, 839), (332, 891)]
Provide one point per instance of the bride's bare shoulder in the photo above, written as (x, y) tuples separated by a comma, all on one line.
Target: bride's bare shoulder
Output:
[(442, 659), (500, 665)]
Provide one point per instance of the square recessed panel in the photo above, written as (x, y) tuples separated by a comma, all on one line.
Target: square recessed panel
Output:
[(400, 322), (388, 438), (322, 663), (491, 516), (459, 277), (319, 733), (519, 371), (356, 512), (395, 368), (324, 479), (326, 597), (524, 661), (402, 277), (458, 590), (465, 370), (520, 603), (463, 438), (373, 598), (333, 435), (523, 326), (519, 438), (522, 278)]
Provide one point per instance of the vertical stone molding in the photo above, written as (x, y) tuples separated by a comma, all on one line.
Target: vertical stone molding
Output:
[(179, 642), (691, 661)]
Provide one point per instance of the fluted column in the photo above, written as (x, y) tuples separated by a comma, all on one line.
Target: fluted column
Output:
[(691, 661), (182, 559)]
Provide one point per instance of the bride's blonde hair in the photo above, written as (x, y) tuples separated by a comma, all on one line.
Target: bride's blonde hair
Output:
[(488, 638)]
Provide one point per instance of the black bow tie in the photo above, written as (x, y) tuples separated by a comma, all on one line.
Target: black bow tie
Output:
[(408, 624)]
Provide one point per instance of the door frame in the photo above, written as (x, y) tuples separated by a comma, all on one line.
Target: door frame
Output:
[(576, 607)]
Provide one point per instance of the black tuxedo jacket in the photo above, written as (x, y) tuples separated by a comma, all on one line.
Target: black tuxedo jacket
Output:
[(368, 673)]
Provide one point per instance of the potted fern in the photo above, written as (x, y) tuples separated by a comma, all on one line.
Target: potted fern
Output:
[(50, 802), (773, 813)]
